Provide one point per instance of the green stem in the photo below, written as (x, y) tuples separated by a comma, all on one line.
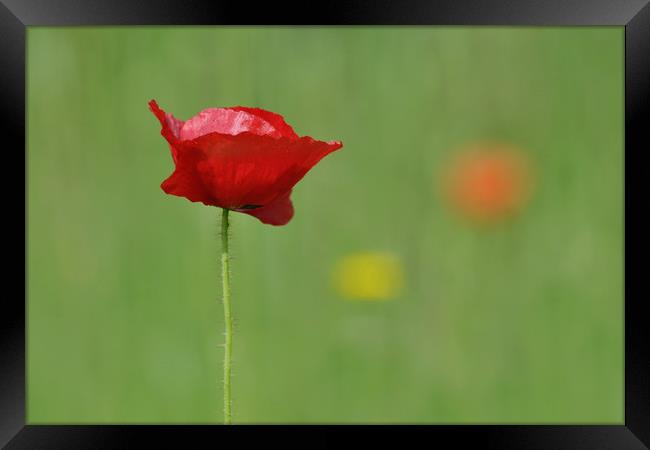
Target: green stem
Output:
[(227, 358)]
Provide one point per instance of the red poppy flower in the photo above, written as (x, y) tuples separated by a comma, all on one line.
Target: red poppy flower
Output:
[(242, 159)]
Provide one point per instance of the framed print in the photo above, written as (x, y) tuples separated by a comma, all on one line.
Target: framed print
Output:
[(409, 217)]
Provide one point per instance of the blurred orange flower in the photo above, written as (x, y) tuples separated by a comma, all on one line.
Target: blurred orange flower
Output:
[(487, 182)]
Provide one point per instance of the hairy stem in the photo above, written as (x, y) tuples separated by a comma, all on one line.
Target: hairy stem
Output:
[(227, 312)]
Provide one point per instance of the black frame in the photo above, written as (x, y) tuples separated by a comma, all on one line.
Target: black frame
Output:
[(634, 15)]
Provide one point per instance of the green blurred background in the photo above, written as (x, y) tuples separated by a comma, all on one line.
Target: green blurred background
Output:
[(515, 323)]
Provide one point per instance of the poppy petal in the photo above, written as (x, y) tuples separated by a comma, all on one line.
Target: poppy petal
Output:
[(274, 119), (227, 121), (250, 169), (186, 182), (171, 126), (278, 212)]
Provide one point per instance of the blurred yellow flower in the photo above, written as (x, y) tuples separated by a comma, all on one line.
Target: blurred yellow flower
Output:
[(369, 276)]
